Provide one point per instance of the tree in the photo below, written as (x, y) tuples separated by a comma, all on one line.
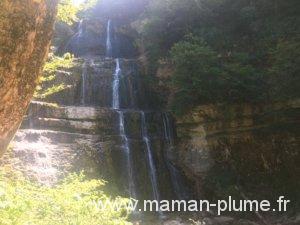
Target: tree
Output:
[(67, 12), (248, 50), (197, 73)]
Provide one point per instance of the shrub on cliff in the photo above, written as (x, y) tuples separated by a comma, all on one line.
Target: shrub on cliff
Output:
[(53, 64)]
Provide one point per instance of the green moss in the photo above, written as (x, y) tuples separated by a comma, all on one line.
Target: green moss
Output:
[(55, 62)]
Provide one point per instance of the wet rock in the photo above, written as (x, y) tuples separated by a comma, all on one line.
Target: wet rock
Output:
[(223, 220), (206, 221), (133, 125), (292, 221), (92, 40), (97, 73), (47, 156), (173, 222), (245, 222)]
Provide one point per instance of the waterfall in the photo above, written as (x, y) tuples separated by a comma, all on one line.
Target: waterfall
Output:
[(30, 117), (108, 40), (116, 106), (128, 155), (116, 86), (83, 82), (77, 36), (80, 29), (176, 177), (152, 169), (84, 66), (168, 129)]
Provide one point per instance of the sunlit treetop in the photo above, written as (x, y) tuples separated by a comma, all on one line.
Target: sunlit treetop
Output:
[(77, 2), (68, 9)]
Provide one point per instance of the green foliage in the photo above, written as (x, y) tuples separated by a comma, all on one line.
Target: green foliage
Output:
[(52, 65), (55, 62), (240, 50), (204, 76), (67, 12), (167, 22), (285, 69), (197, 70), (71, 202), (40, 93)]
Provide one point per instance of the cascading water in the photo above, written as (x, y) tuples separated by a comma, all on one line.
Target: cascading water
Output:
[(76, 37), (167, 129), (80, 29), (128, 155), (79, 34), (152, 168), (176, 177), (151, 165), (84, 66), (116, 86), (83, 82), (108, 40), (116, 106)]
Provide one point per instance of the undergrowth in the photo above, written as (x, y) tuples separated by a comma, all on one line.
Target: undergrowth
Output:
[(23, 202)]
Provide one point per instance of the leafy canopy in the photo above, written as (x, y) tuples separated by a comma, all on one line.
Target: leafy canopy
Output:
[(68, 12)]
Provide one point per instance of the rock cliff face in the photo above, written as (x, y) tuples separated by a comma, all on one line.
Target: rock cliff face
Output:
[(25, 34), (254, 147), (91, 39), (98, 73)]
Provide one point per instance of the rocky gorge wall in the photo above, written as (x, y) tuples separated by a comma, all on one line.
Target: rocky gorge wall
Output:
[(235, 149)]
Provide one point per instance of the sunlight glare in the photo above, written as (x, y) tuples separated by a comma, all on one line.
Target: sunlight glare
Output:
[(77, 2)]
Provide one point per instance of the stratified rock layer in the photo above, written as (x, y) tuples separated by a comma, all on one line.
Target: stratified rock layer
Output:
[(251, 148)]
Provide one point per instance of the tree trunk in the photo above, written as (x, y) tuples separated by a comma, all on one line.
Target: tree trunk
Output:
[(26, 28)]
